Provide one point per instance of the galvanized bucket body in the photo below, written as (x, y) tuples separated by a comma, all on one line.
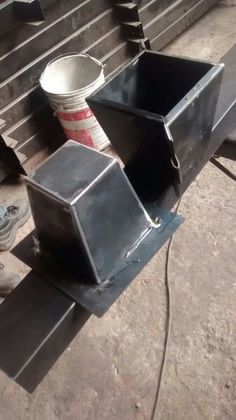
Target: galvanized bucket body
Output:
[(67, 81)]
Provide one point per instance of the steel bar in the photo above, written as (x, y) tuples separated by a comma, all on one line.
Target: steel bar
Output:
[(169, 16), (42, 329), (152, 9), (9, 20), (222, 168), (28, 76), (179, 25)]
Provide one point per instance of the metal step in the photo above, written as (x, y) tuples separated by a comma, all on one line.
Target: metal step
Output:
[(176, 28), (127, 11), (48, 37), (116, 57), (28, 129), (18, 109), (30, 125), (152, 8), (28, 76), (35, 98), (167, 17), (10, 24), (39, 141)]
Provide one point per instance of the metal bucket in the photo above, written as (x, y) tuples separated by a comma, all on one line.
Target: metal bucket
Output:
[(67, 81)]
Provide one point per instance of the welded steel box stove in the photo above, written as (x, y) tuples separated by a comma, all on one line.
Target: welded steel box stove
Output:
[(158, 113), (86, 213), (98, 224)]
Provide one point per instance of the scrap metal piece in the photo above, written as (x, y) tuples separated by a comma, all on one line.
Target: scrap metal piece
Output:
[(9, 161), (28, 10)]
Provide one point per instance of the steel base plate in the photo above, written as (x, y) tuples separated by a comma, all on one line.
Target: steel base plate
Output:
[(97, 299)]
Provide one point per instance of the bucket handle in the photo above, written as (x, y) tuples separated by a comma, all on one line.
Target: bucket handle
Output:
[(84, 54), (68, 55)]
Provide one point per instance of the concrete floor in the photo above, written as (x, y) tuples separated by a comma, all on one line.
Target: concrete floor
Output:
[(110, 371)]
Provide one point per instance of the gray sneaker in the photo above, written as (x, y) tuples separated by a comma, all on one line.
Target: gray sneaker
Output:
[(8, 281), (11, 218)]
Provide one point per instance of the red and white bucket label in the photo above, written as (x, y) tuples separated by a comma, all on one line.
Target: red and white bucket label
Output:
[(83, 127)]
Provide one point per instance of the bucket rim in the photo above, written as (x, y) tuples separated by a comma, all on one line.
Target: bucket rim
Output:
[(64, 56), (79, 92)]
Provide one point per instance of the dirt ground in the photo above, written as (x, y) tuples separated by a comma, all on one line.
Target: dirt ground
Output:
[(111, 368)]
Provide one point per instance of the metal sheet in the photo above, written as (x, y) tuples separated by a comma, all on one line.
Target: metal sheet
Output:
[(49, 36), (40, 120), (165, 19), (150, 10), (36, 144), (28, 76), (177, 27), (26, 104), (10, 22), (40, 321)]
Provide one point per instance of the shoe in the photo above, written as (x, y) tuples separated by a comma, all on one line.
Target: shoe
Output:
[(11, 219), (8, 281)]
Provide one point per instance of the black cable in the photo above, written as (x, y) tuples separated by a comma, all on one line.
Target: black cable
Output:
[(223, 168), (168, 297), (168, 322)]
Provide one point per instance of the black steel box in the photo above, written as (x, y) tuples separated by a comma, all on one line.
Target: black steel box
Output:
[(86, 213), (158, 112)]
